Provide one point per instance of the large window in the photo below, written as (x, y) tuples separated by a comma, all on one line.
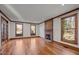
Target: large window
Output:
[(19, 29), (33, 29), (69, 29)]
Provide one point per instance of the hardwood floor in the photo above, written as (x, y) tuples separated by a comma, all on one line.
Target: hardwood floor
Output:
[(35, 46)]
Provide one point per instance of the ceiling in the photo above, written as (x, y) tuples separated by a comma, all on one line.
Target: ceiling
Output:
[(36, 13)]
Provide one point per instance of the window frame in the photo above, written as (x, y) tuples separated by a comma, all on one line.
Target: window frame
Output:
[(16, 29), (76, 29), (30, 29)]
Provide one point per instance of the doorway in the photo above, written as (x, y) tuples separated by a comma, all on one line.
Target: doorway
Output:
[(4, 30)]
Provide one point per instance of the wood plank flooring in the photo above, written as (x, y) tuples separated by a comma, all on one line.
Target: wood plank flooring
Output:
[(35, 46)]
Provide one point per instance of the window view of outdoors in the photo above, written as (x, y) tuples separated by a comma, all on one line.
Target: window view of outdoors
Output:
[(33, 29), (69, 29), (18, 29)]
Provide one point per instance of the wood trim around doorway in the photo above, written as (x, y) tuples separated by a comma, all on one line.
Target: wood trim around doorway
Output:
[(2, 42)]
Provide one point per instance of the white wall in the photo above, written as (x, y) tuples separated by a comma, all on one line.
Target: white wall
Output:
[(37, 30), (11, 30), (42, 30), (26, 30), (57, 29)]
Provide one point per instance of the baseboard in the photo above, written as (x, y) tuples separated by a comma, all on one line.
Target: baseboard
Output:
[(68, 46), (24, 37)]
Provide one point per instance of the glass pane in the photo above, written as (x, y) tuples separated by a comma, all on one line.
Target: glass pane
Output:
[(19, 29), (33, 29), (69, 29)]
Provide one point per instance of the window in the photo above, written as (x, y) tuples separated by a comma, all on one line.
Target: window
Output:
[(69, 29), (19, 29), (33, 30)]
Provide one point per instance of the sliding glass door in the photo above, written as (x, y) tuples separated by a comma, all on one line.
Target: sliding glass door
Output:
[(69, 29)]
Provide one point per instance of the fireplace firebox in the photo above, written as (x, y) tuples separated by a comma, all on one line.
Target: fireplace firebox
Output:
[(48, 36)]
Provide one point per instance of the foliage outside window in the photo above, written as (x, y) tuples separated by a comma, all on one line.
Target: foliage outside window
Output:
[(69, 29)]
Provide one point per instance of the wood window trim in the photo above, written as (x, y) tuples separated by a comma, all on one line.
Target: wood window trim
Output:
[(16, 29), (76, 27)]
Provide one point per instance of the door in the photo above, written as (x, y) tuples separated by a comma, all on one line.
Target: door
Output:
[(4, 29)]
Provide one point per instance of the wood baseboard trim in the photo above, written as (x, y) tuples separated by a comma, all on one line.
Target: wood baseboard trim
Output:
[(68, 46), (24, 37)]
